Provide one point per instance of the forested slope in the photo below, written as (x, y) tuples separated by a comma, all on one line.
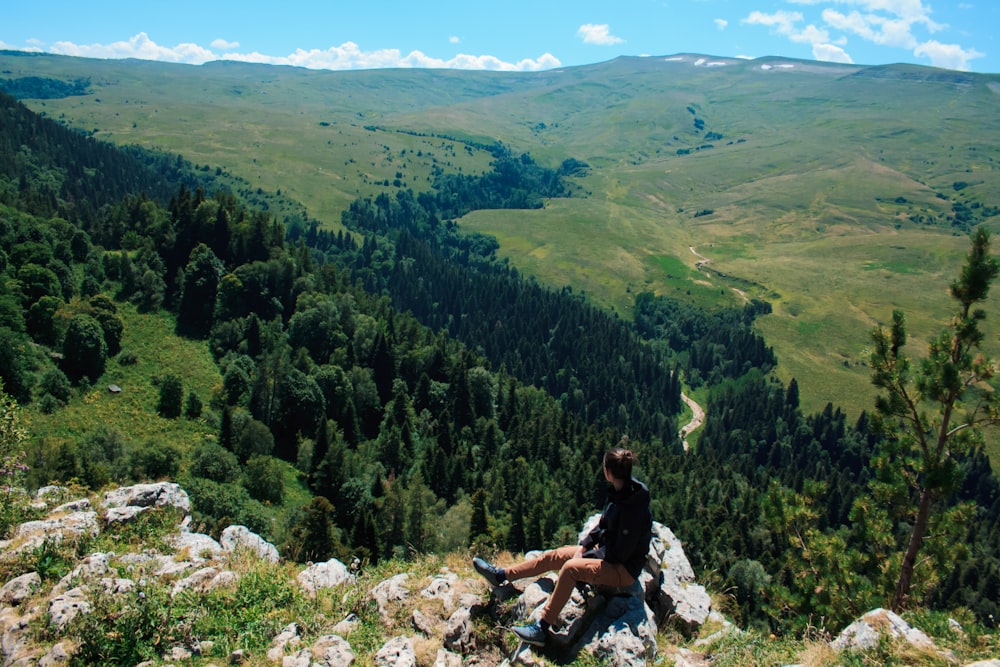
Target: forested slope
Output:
[(425, 395)]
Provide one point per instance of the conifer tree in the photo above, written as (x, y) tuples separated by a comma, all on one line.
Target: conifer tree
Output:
[(930, 414)]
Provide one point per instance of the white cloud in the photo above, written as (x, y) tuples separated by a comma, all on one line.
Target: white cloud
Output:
[(721, 24), (785, 23), (782, 21), (911, 11), (900, 24), (831, 53), (350, 56), (877, 29), (346, 56), (10, 47), (139, 46), (454, 39), (223, 45), (810, 35), (592, 33), (948, 56)]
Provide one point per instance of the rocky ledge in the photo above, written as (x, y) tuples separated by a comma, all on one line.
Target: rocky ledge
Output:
[(425, 619)]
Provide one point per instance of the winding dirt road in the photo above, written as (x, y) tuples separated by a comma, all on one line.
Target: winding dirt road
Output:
[(696, 420)]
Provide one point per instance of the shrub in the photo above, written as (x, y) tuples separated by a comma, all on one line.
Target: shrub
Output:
[(193, 406), (221, 505), (156, 460), (85, 351), (54, 383), (264, 479), (128, 628), (255, 439), (171, 397), (214, 462)]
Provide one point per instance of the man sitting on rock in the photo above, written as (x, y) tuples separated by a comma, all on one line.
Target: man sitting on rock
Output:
[(612, 554)]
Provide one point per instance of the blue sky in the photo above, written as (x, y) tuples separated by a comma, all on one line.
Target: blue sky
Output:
[(509, 35)]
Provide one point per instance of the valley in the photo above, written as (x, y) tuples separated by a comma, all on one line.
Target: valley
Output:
[(836, 193)]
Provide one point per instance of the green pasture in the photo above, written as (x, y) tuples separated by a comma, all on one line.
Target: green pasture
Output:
[(132, 412), (825, 189)]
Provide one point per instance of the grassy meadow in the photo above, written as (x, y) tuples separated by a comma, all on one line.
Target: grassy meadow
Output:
[(151, 338), (827, 190)]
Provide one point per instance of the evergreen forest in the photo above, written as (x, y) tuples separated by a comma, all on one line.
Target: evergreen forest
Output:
[(398, 389)]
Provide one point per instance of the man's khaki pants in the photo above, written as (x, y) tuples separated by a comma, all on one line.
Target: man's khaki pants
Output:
[(571, 570)]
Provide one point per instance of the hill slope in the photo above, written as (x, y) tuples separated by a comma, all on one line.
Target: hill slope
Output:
[(835, 192)]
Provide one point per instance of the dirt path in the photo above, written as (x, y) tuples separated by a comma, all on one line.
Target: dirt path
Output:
[(703, 262), (696, 420)]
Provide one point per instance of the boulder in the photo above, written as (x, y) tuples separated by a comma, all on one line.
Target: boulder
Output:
[(442, 587), (302, 658), (397, 652), (18, 589), (289, 637), (123, 514), (15, 640), (57, 655), (57, 528), (385, 593), (197, 546), (677, 594), (425, 624), (458, 635), (347, 626), (617, 625), (64, 608), (240, 537), (446, 658), (867, 630), (159, 494), (332, 651), (330, 574)]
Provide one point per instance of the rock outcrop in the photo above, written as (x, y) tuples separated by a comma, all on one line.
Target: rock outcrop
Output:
[(616, 626), (432, 619)]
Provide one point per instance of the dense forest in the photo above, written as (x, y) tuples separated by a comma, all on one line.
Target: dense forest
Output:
[(431, 396)]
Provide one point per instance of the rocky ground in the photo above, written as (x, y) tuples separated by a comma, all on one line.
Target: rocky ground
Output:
[(445, 618)]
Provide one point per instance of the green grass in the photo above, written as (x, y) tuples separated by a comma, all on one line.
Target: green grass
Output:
[(133, 411)]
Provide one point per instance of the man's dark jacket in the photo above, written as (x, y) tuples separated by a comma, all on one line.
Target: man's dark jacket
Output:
[(623, 533)]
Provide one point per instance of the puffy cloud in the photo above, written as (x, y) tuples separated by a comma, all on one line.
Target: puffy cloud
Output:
[(911, 11), (810, 35), (901, 24), (949, 56), (831, 53), (223, 45), (721, 24), (454, 39), (593, 33), (878, 29), (350, 56), (139, 46), (346, 56), (785, 23), (781, 20)]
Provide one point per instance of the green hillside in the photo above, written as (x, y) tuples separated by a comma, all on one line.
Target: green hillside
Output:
[(835, 192)]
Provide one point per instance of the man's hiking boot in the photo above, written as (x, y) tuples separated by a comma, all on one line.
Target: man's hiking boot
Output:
[(491, 574), (533, 634)]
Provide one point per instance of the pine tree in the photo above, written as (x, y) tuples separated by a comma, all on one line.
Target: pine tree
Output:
[(930, 416)]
